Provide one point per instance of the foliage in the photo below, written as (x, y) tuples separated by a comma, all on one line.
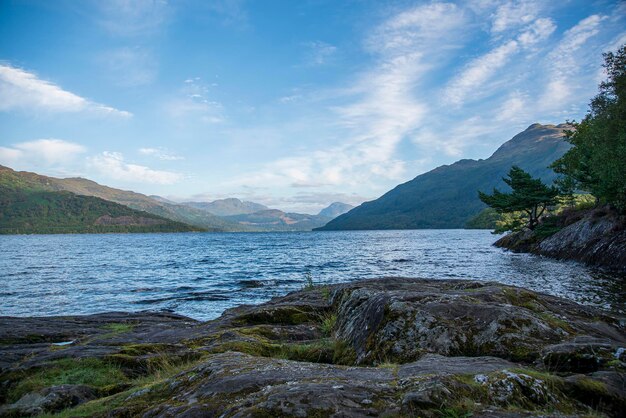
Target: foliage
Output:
[(596, 162), (485, 219), (43, 212), (529, 195)]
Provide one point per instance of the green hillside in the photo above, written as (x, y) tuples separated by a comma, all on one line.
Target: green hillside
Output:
[(28, 211), (447, 197), (277, 220), (22, 180)]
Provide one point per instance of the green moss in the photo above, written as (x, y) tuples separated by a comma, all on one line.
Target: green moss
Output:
[(260, 331), (591, 387), (89, 371), (520, 297), (118, 327), (282, 315), (555, 322)]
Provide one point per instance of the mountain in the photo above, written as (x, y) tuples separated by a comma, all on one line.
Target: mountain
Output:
[(335, 209), (447, 197), (227, 207), (277, 220), (27, 211), (22, 180)]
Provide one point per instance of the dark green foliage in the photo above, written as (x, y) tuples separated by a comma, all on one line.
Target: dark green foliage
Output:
[(597, 161), (486, 219), (528, 195), (42, 212), (446, 196)]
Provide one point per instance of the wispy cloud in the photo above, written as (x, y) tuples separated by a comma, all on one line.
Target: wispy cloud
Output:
[(564, 62), (133, 17), (129, 66), (114, 166), (194, 102), (41, 152), (23, 90), (481, 69), (319, 53), (512, 14), (160, 153)]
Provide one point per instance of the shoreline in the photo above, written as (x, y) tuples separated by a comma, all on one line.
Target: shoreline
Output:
[(442, 338)]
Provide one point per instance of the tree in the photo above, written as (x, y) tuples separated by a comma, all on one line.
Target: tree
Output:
[(596, 163), (528, 195)]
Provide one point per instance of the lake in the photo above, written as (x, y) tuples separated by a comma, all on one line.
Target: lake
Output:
[(202, 274)]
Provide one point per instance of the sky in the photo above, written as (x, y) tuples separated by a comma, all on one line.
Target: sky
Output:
[(293, 104)]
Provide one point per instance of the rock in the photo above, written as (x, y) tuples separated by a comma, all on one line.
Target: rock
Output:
[(395, 346), (52, 399), (596, 237)]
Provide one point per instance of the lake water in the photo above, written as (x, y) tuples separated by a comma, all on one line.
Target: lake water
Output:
[(201, 274)]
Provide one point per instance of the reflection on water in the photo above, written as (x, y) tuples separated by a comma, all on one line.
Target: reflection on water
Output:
[(201, 274)]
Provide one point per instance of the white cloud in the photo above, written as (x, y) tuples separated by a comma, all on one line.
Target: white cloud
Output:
[(381, 107), (319, 53), (112, 165), (41, 152), (133, 17), (194, 102), (478, 72), (20, 89), (130, 66), (512, 14), (564, 62), (538, 31), (475, 74), (160, 153)]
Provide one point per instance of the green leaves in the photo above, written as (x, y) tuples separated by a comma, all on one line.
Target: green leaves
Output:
[(528, 196), (597, 161)]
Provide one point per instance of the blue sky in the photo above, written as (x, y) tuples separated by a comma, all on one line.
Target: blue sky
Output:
[(294, 104)]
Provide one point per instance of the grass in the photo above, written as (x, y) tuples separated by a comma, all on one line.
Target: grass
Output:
[(328, 324), (308, 281), (89, 371)]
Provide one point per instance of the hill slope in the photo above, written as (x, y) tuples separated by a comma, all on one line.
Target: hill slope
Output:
[(447, 197), (22, 180), (335, 209), (227, 207), (277, 220), (43, 212)]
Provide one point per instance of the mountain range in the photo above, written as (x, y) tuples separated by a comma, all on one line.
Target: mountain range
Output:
[(26, 208), (447, 197), (227, 207), (33, 203)]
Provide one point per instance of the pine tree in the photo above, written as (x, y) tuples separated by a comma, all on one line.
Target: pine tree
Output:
[(528, 195)]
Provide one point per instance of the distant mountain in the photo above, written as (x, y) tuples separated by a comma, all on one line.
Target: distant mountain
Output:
[(22, 180), (27, 211), (227, 207), (277, 220), (335, 209), (447, 197)]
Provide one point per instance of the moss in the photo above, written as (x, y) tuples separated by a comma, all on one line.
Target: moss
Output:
[(555, 322), (282, 315), (519, 352), (519, 297), (118, 327), (88, 371), (263, 331)]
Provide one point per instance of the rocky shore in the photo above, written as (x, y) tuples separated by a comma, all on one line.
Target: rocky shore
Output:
[(596, 237), (393, 347)]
